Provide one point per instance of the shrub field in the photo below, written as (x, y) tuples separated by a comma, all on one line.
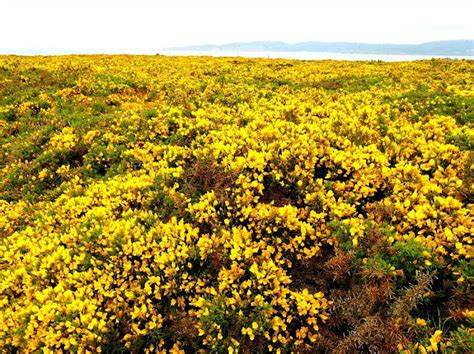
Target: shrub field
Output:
[(185, 204)]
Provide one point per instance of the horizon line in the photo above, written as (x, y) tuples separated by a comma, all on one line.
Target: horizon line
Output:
[(142, 51)]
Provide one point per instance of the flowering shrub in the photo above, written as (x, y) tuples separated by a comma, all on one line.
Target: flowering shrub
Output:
[(155, 204)]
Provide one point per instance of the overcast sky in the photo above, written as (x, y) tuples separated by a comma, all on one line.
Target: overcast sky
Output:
[(146, 26)]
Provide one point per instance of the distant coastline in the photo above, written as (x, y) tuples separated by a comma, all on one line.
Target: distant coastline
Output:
[(437, 48), (311, 55)]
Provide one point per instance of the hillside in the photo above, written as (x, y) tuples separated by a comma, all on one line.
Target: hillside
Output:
[(453, 47), (152, 203)]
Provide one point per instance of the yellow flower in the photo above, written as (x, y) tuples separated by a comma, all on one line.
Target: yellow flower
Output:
[(355, 242), (43, 174), (249, 332), (435, 339), (420, 322)]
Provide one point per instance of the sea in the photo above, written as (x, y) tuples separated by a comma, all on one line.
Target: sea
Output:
[(309, 55)]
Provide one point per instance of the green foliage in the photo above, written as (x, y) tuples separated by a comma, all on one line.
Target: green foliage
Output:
[(342, 234), (426, 101), (463, 142), (377, 263), (410, 257), (462, 340)]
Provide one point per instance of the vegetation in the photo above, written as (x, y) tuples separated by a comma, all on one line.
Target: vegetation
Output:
[(235, 205)]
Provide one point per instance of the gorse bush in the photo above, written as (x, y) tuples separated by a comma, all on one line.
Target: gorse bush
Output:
[(152, 204)]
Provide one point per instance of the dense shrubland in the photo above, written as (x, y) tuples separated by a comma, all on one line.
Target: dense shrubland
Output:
[(155, 203)]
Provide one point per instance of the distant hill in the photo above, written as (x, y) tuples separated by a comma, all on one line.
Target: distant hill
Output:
[(451, 47)]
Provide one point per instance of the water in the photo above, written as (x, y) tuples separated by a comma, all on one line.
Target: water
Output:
[(308, 55)]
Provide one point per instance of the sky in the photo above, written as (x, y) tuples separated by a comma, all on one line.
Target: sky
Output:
[(147, 26)]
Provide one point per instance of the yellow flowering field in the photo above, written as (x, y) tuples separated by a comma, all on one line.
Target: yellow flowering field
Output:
[(155, 204)]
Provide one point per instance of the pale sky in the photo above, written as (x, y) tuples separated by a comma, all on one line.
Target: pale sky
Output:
[(146, 26)]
